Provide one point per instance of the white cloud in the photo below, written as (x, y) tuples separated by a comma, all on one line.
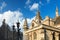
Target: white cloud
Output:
[(3, 5), (28, 2), (41, 3), (48, 1), (12, 17), (34, 6), (30, 20)]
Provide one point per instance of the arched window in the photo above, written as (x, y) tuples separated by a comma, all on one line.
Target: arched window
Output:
[(32, 24), (35, 36)]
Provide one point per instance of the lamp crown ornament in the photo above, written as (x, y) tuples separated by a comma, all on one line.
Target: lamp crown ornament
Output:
[(3, 21), (18, 24), (13, 26)]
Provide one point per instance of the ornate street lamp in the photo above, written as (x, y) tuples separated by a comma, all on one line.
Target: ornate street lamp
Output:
[(18, 25), (13, 31)]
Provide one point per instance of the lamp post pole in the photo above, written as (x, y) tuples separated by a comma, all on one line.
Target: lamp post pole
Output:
[(13, 31), (18, 25)]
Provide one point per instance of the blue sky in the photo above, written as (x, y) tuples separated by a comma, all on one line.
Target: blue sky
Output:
[(46, 7), (12, 10)]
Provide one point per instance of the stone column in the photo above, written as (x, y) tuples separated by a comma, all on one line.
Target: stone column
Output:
[(44, 34), (59, 36), (25, 37), (51, 36), (30, 36), (56, 36)]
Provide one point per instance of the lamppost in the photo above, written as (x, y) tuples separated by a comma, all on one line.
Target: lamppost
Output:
[(18, 25), (13, 31)]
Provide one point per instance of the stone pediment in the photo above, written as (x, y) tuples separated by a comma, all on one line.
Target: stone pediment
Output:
[(48, 21), (33, 24), (42, 26), (34, 21), (51, 28)]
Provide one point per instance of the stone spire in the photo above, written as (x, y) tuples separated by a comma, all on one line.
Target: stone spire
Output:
[(25, 26), (38, 17), (57, 12)]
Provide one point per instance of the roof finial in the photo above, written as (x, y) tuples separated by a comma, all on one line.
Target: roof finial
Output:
[(25, 22), (38, 15), (57, 12)]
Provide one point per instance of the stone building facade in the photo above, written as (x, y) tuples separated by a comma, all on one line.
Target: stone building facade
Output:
[(47, 29)]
